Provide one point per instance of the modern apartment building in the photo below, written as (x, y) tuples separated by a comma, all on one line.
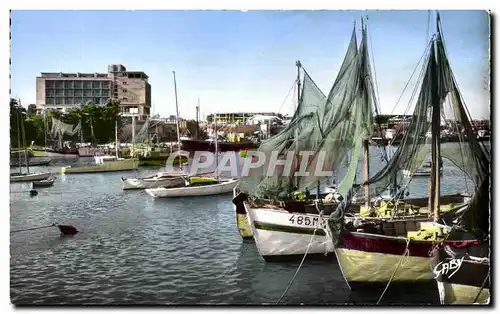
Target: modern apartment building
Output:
[(63, 91)]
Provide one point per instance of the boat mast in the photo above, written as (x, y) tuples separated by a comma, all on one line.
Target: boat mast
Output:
[(177, 118), (177, 113), (116, 137), (366, 143), (436, 131), (299, 65), (216, 148), (198, 120), (24, 142)]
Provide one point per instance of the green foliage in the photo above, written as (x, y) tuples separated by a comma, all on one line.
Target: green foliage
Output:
[(99, 118)]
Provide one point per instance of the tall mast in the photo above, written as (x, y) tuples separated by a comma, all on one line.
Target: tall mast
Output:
[(299, 65), (177, 116), (81, 131), (24, 141), (116, 136), (435, 128), (198, 120), (366, 144), (216, 148)]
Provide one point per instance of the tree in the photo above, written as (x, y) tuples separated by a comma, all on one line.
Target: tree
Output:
[(31, 110)]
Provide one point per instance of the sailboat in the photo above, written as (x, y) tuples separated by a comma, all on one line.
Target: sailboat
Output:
[(58, 130), (380, 253), (28, 176), (161, 179), (195, 186), (106, 163), (285, 221)]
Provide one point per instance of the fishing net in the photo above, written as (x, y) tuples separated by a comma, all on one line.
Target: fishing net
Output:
[(467, 154), (60, 128), (321, 133)]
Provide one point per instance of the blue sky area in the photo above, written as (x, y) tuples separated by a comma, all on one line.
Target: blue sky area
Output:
[(243, 61)]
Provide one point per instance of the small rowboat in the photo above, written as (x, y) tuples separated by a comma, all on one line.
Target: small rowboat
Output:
[(43, 183)]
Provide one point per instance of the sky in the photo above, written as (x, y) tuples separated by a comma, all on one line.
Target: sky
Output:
[(245, 61)]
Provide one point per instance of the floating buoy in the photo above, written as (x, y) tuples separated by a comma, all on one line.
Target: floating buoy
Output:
[(33, 193), (66, 229)]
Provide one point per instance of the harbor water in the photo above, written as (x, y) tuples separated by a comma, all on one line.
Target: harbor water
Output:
[(133, 249)]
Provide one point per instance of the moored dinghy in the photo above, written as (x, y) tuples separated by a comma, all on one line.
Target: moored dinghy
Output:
[(44, 183), (159, 180)]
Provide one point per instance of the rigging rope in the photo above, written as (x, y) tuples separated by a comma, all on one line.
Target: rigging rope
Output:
[(288, 95), (406, 253), (482, 287)]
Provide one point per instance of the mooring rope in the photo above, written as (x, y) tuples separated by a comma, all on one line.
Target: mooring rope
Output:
[(482, 287), (406, 253), (35, 228), (298, 268)]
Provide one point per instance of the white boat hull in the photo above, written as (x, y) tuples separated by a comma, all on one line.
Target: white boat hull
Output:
[(279, 234), (202, 190), (30, 177), (151, 183)]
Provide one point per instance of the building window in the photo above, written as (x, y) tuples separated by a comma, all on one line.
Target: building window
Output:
[(124, 90), (78, 84), (124, 83), (59, 84), (50, 101)]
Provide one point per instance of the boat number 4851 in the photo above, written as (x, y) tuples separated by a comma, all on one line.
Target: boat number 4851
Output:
[(304, 220)]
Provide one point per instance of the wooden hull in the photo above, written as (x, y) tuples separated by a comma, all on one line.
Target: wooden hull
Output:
[(43, 183), (244, 227), (460, 278), (203, 190), (30, 177), (371, 260), (120, 165)]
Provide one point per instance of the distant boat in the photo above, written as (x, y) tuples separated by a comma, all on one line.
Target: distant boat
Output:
[(191, 145), (43, 183), (20, 176), (32, 162), (104, 164)]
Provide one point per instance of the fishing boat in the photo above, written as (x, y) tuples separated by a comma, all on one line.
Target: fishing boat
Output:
[(44, 183), (285, 222), (393, 252), (193, 145), (25, 176)]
